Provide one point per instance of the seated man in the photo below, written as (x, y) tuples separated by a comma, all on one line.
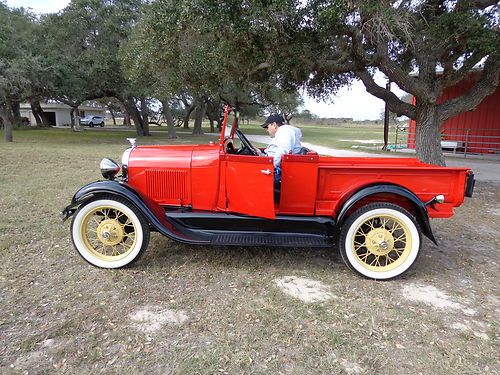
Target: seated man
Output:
[(285, 139)]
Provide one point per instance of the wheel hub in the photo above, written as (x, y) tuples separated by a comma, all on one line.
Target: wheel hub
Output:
[(379, 241), (110, 232)]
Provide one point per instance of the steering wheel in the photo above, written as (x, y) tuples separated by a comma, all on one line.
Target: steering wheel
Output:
[(247, 146)]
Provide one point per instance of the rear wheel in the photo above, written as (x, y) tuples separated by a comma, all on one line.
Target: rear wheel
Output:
[(109, 232), (380, 241), (102, 124)]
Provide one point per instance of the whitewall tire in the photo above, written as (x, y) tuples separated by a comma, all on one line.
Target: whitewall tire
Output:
[(380, 241), (109, 232)]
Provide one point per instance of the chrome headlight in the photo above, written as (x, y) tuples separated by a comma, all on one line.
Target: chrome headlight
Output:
[(109, 168), (125, 159)]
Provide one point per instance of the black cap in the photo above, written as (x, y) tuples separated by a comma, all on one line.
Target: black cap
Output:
[(274, 118)]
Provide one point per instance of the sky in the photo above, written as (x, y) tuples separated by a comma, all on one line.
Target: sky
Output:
[(351, 101)]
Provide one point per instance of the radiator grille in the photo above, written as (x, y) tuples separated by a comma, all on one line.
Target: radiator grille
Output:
[(166, 184)]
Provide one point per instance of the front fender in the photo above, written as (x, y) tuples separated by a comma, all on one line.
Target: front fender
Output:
[(420, 209), (151, 210)]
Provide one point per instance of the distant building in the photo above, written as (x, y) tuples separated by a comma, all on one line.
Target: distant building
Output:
[(59, 114), (476, 131)]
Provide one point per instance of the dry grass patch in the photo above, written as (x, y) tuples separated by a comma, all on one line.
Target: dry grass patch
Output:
[(61, 315)]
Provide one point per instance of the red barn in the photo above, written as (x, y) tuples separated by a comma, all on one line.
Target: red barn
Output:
[(476, 131)]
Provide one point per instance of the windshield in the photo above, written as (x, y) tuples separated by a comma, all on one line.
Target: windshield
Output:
[(229, 127), (230, 123)]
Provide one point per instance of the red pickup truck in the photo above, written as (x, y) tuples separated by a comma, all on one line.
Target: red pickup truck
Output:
[(374, 209)]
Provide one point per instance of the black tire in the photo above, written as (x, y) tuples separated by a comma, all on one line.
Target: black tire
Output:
[(380, 241), (91, 124), (110, 223), (101, 124)]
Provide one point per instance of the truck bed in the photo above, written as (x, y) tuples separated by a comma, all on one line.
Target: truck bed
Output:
[(338, 178)]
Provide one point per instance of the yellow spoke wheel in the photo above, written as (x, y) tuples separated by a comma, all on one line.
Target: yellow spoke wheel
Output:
[(109, 233), (380, 241)]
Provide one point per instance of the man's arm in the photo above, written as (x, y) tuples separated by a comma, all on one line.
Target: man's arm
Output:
[(258, 151)]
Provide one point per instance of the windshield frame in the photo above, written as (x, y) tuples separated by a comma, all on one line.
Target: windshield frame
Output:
[(234, 126)]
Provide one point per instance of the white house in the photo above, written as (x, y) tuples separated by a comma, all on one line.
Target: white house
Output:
[(59, 114)]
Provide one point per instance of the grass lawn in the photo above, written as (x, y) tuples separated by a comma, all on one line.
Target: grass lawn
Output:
[(342, 136), (224, 310)]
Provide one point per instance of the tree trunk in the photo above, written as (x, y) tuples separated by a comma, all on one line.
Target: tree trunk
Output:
[(135, 115), (7, 124), (199, 114), (187, 114), (212, 113), (428, 134), (16, 111), (75, 123), (38, 113), (167, 113), (220, 119), (145, 117), (126, 118), (112, 115)]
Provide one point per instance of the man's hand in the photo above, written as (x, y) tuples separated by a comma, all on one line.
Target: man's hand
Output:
[(258, 152)]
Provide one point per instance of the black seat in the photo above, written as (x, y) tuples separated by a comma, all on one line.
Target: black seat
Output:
[(303, 151)]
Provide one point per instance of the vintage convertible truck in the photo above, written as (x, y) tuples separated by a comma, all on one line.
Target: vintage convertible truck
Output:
[(374, 209)]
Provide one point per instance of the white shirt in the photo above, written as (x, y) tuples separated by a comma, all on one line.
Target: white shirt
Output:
[(286, 139)]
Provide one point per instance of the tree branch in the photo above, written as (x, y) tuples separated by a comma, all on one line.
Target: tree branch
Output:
[(452, 77), (485, 86), (395, 104), (397, 74), (258, 68), (463, 5)]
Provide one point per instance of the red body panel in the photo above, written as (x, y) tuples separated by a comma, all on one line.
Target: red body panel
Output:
[(249, 185), (163, 173), (205, 178), (339, 178), (205, 175), (298, 186)]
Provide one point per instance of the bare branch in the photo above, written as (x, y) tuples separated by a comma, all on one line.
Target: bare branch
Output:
[(398, 75), (396, 105), (485, 86), (259, 67), (452, 77), (474, 4)]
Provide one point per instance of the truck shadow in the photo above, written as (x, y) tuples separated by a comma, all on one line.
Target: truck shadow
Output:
[(164, 253)]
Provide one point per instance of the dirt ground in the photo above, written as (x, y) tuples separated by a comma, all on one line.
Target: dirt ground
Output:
[(233, 310)]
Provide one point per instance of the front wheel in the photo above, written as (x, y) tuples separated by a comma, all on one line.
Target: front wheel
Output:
[(380, 241), (109, 232), (91, 124)]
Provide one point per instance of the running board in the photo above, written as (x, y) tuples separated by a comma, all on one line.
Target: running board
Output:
[(216, 229), (271, 239)]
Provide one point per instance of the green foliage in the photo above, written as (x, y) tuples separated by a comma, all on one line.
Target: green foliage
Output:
[(209, 48), (82, 44), (15, 29)]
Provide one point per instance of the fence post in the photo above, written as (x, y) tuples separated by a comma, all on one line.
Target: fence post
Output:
[(466, 143), (396, 140)]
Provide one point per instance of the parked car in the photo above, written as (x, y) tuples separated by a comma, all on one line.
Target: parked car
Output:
[(92, 121), (374, 209)]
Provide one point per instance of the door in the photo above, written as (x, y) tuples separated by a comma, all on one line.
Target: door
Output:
[(250, 185)]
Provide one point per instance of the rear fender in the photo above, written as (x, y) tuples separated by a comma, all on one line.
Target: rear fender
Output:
[(419, 206)]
